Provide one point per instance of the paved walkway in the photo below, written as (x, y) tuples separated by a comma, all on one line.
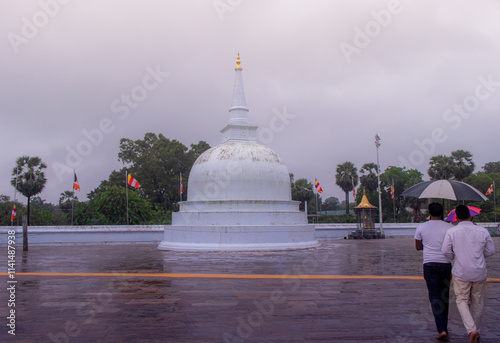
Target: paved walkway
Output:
[(343, 291)]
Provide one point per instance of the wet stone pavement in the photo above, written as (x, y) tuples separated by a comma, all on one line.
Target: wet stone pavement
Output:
[(109, 299)]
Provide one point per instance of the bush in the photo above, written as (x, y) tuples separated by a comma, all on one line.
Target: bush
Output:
[(161, 217), (343, 218)]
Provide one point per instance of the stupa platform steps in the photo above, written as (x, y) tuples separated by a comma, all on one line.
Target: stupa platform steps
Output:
[(238, 237), (239, 218)]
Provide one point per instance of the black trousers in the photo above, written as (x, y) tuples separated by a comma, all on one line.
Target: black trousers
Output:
[(438, 276)]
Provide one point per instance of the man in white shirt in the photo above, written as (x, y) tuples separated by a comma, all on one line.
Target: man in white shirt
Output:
[(429, 237), (469, 244)]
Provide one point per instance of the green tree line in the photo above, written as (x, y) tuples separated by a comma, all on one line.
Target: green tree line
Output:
[(459, 166), (157, 162)]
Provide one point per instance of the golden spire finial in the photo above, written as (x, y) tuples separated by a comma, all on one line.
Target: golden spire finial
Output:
[(364, 202), (238, 66)]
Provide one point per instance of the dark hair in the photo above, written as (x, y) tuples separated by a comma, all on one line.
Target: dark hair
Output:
[(462, 212), (435, 209)]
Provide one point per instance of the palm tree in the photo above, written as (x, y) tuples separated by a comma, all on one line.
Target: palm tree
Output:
[(369, 177), (492, 167), (29, 180), (463, 164), (346, 178), (441, 167), (302, 191), (66, 200)]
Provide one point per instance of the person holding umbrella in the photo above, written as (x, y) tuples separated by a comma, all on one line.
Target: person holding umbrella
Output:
[(468, 245), (452, 216), (429, 237)]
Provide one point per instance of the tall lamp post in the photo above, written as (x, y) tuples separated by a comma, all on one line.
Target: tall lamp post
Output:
[(377, 144)]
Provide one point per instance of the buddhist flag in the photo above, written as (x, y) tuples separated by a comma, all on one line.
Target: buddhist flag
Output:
[(353, 189), (76, 185), (318, 187), (491, 189), (14, 212), (181, 188), (133, 182), (392, 190)]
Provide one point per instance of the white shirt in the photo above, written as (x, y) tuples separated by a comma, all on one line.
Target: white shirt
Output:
[(432, 233), (469, 244)]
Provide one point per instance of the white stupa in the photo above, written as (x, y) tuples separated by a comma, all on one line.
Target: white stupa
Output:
[(239, 195)]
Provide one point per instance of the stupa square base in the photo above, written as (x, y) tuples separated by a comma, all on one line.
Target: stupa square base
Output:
[(238, 237)]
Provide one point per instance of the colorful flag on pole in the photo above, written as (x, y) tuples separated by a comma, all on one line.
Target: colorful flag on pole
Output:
[(491, 189), (181, 188), (133, 182), (14, 212), (392, 190), (353, 189), (318, 187), (76, 185)]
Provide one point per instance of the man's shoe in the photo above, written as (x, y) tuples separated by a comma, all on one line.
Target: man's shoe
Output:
[(474, 337), (443, 336)]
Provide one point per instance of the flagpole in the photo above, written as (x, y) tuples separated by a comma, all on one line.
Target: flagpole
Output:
[(393, 202), (126, 187), (180, 187), (73, 198), (353, 192), (15, 194), (377, 144), (320, 208), (317, 207), (495, 200)]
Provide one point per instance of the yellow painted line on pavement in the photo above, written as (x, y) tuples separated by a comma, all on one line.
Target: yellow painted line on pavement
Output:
[(236, 276), (222, 276)]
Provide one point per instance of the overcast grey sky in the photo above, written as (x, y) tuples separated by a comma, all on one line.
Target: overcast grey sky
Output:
[(424, 75)]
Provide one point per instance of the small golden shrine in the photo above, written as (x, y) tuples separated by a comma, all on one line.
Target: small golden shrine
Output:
[(365, 214)]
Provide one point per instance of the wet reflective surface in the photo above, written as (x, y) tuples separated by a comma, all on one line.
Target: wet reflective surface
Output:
[(115, 308)]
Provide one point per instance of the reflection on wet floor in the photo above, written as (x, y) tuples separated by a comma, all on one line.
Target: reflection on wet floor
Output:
[(117, 308)]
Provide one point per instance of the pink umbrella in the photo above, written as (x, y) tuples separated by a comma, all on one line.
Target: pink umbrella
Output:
[(452, 217)]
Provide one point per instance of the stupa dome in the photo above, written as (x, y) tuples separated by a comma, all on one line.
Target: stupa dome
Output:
[(239, 194), (239, 170)]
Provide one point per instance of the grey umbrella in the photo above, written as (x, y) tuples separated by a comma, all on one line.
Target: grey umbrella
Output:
[(445, 189)]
